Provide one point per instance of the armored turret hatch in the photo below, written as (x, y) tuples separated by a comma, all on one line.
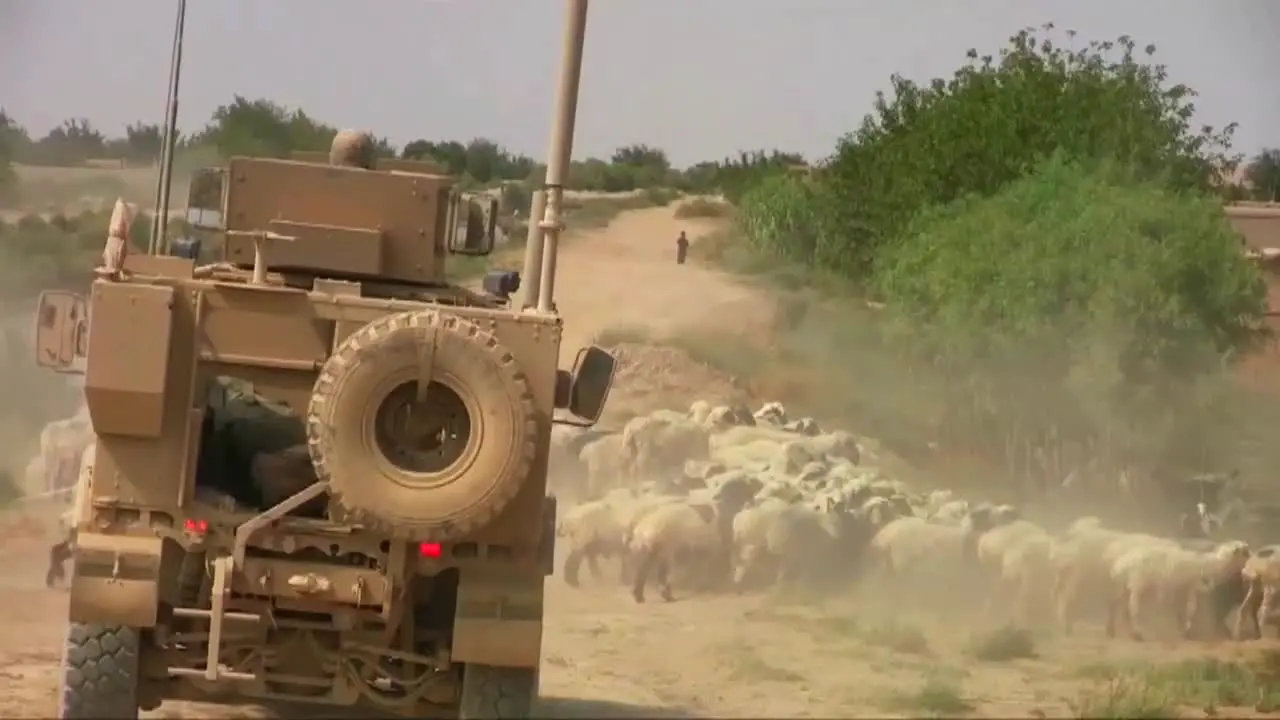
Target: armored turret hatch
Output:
[(342, 214)]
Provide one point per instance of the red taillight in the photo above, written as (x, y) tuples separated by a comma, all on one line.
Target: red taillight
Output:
[(430, 550), (196, 526)]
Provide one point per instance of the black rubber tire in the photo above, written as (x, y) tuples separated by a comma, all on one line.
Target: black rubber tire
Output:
[(368, 489), (100, 673), (497, 693)]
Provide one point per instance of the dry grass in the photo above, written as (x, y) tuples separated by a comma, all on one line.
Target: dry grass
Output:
[(1208, 684), (936, 696), (1003, 644)]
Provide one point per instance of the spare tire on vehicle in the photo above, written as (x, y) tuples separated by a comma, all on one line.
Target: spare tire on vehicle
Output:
[(435, 470)]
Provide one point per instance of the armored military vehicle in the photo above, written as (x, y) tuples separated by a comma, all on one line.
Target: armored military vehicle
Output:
[(319, 472)]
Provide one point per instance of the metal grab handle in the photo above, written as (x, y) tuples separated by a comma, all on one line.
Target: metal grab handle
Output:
[(260, 239)]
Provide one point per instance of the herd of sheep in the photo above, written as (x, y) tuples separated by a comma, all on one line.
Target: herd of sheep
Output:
[(723, 499)]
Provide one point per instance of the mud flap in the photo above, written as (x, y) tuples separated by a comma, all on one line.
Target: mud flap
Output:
[(547, 543), (119, 580), (498, 620)]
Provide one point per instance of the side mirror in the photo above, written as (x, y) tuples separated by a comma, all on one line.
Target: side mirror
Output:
[(62, 330), (491, 228), (471, 233), (186, 247), (205, 199), (592, 378)]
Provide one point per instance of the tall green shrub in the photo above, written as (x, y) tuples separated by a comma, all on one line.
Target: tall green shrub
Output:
[(998, 117), (788, 217), (1084, 300)]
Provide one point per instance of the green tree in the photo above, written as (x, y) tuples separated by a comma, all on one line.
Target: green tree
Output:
[(11, 135), (451, 154), (785, 216), (641, 156), (144, 141), (997, 117), (71, 143), (1263, 175), (481, 159), (733, 177), (262, 128), (1082, 302), (642, 165)]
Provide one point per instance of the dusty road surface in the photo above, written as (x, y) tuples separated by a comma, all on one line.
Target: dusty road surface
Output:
[(853, 653)]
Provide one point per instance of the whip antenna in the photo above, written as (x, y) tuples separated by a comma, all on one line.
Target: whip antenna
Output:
[(160, 221)]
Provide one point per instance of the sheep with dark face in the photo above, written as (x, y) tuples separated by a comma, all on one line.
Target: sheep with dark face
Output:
[(660, 443), (602, 529), (795, 543), (1147, 572), (1261, 580), (698, 530), (916, 552)]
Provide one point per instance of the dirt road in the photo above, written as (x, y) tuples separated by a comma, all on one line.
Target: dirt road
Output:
[(625, 275), (750, 656)]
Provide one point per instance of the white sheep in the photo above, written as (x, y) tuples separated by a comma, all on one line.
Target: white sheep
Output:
[(920, 547), (1017, 554), (835, 444), (723, 417), (1082, 562), (699, 411), (803, 426), (564, 454), (62, 443), (775, 489), (952, 512), (604, 462), (661, 442), (736, 482), (1004, 514), (601, 529), (771, 413), (1165, 573), (789, 542), (1261, 575), (936, 499), (663, 536), (880, 511), (887, 488), (1026, 571), (700, 532)]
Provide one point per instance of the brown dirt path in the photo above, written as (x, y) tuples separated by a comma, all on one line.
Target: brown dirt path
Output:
[(625, 275)]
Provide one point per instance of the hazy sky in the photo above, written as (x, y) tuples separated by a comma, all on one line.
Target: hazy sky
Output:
[(700, 78)]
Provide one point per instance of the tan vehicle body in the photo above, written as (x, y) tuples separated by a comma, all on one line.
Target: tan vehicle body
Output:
[(325, 607)]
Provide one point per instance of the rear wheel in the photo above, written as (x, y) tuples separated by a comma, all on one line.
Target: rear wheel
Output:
[(100, 673), (492, 692)]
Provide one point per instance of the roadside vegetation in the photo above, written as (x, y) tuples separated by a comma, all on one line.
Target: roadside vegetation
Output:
[(1025, 264)]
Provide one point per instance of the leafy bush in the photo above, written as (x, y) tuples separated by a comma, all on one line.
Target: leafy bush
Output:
[(61, 251), (787, 217), (703, 208), (998, 117), (1083, 300)]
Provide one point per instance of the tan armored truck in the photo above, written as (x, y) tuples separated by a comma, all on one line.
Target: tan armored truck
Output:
[(320, 470)]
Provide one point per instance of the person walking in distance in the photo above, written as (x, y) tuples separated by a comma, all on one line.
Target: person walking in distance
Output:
[(682, 248)]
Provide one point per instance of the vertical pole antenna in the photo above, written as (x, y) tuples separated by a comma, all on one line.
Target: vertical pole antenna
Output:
[(160, 221)]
